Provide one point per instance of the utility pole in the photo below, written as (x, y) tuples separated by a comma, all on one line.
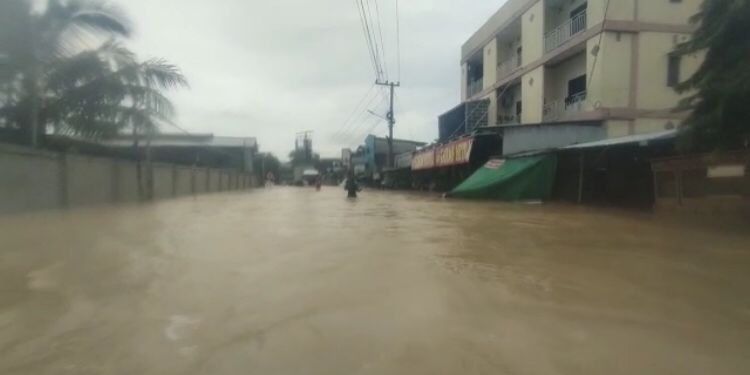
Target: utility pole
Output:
[(391, 118)]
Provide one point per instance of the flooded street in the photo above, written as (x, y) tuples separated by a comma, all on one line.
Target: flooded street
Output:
[(290, 281)]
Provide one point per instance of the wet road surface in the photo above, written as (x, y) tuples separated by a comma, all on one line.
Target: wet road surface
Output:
[(290, 281)]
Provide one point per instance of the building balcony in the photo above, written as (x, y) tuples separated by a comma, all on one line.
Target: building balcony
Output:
[(508, 66), (503, 119), (475, 87), (563, 33), (560, 109)]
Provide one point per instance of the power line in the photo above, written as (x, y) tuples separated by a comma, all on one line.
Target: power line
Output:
[(356, 108), (353, 134), (366, 33), (378, 121), (382, 44), (357, 120), (367, 13), (372, 31), (398, 42), (368, 130)]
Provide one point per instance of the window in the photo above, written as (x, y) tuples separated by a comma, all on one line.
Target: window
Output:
[(577, 86), (519, 109), (576, 92), (673, 70), (578, 19), (519, 54)]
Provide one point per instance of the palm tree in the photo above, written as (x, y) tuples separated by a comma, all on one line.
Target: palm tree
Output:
[(41, 40), (105, 91)]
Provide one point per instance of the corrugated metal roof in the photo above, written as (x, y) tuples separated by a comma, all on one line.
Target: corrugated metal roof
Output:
[(197, 140), (638, 138)]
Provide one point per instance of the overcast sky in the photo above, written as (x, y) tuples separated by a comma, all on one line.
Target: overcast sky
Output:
[(271, 68)]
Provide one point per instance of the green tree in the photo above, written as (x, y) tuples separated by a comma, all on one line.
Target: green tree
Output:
[(267, 162), (36, 42), (720, 117)]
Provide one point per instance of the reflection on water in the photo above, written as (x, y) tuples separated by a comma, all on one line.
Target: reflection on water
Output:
[(294, 281)]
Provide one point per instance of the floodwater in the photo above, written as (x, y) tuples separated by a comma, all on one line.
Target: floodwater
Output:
[(290, 281)]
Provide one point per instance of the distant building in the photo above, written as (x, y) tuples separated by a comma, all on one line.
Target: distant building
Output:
[(346, 158), (375, 153), (204, 150)]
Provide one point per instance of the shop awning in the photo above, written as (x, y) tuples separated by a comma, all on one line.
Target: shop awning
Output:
[(640, 139), (525, 178)]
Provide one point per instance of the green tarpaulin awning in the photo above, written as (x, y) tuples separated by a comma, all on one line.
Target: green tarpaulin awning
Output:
[(524, 178)]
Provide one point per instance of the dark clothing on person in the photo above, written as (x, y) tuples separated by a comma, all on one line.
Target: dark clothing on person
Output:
[(352, 187)]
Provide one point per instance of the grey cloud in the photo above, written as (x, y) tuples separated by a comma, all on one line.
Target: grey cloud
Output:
[(272, 68)]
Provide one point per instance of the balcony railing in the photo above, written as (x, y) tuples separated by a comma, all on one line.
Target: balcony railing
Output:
[(508, 66), (564, 32), (508, 119), (475, 87), (558, 109)]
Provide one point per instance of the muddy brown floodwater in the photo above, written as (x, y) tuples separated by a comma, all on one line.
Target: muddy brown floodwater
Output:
[(290, 281)]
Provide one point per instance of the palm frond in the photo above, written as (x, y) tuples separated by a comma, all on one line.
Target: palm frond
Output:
[(98, 17), (65, 25), (160, 73)]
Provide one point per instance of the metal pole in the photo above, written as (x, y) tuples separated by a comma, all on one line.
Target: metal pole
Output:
[(580, 178), (391, 122), (391, 119)]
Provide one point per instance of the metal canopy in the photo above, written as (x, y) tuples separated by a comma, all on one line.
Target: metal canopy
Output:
[(643, 139)]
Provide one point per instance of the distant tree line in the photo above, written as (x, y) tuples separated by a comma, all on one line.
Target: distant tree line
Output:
[(64, 69)]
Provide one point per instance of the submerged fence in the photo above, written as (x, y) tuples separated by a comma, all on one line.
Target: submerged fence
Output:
[(33, 179)]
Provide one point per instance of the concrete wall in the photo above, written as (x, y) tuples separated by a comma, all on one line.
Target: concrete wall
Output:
[(532, 33), (621, 10), (32, 180), (665, 11), (490, 63), (90, 180), (183, 181), (464, 82), (126, 185), (214, 181), (653, 92), (653, 125), (533, 96), (528, 138), (610, 82), (618, 128), (29, 180), (557, 77), (201, 180), (163, 180), (511, 10)]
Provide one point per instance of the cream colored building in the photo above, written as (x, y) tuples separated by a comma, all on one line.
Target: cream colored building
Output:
[(563, 61)]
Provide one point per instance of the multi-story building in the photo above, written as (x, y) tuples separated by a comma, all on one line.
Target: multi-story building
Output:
[(606, 64)]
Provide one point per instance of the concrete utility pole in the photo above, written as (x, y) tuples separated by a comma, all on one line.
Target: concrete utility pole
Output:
[(391, 119)]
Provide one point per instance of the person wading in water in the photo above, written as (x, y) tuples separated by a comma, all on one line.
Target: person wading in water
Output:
[(351, 185)]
